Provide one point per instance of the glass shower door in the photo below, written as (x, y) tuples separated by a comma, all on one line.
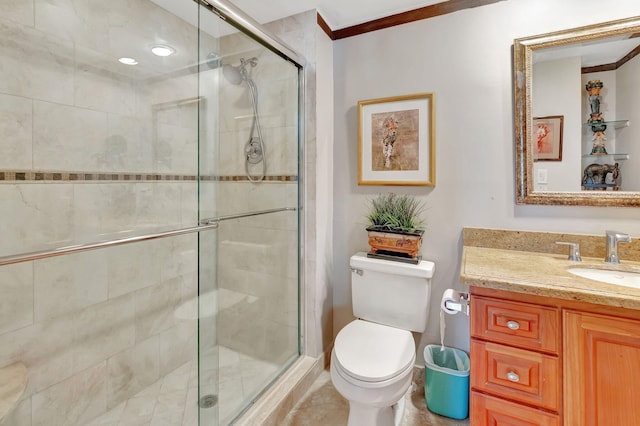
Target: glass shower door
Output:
[(98, 173), (249, 184)]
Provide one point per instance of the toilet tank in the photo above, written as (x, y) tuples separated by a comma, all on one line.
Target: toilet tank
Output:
[(391, 293)]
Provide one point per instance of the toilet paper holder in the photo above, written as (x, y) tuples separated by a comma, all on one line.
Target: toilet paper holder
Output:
[(459, 305)]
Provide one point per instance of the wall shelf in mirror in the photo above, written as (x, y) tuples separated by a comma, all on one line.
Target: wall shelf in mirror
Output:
[(617, 124), (551, 73), (601, 186), (610, 157)]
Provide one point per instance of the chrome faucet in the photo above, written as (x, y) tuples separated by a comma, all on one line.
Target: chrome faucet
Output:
[(613, 238), (574, 251)]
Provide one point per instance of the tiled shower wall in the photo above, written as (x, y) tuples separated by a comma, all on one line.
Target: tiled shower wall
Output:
[(258, 256), (97, 328)]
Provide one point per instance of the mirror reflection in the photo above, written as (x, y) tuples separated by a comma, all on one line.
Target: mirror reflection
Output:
[(583, 98), (577, 116)]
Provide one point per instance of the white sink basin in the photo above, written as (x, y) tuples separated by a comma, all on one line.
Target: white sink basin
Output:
[(624, 278)]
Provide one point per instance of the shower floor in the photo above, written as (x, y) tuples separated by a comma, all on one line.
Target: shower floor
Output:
[(172, 400)]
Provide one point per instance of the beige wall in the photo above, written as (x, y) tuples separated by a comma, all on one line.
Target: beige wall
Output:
[(465, 59)]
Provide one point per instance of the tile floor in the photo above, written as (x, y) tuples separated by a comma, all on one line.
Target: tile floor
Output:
[(322, 405), (172, 400), (166, 402)]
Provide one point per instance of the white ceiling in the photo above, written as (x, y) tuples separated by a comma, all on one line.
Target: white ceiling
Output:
[(337, 13)]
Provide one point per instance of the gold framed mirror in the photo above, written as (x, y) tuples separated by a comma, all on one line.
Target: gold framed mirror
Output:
[(591, 156)]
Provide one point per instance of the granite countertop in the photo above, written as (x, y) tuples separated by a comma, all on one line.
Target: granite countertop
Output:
[(13, 381), (544, 274)]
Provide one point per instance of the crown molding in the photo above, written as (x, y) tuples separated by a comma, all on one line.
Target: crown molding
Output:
[(426, 12)]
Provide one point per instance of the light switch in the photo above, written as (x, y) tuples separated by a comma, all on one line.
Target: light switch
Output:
[(542, 176)]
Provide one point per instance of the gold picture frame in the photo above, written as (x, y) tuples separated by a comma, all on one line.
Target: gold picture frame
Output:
[(396, 141)]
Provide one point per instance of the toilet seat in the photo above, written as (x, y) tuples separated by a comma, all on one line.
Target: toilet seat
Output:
[(372, 353)]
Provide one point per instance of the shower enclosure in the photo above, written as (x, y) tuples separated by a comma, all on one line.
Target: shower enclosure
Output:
[(149, 187)]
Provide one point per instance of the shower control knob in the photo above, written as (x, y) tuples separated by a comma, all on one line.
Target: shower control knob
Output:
[(253, 150)]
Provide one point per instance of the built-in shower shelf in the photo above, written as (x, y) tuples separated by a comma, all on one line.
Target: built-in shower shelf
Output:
[(13, 382)]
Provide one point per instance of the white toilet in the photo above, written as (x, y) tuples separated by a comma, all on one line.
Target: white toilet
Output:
[(373, 356)]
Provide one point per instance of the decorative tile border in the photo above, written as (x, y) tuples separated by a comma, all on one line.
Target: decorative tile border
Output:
[(37, 176), (240, 178)]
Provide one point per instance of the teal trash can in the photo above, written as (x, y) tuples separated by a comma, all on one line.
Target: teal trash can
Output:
[(446, 381)]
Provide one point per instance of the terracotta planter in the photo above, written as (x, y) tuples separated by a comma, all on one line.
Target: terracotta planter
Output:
[(390, 242)]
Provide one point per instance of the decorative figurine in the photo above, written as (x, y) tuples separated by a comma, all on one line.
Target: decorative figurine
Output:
[(596, 174), (593, 88), (598, 147), (595, 118)]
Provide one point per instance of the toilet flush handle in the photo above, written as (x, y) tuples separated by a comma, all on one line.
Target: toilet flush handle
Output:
[(357, 271)]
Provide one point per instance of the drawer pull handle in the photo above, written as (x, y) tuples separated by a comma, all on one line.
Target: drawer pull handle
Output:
[(512, 376), (513, 325)]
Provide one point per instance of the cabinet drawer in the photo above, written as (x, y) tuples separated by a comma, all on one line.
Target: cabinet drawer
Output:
[(520, 375), (490, 411), (514, 323)]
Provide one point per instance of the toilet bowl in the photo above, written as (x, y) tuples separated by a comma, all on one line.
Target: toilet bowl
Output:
[(373, 356), (372, 368)]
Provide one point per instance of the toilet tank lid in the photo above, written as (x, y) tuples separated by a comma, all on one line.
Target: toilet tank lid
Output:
[(424, 269)]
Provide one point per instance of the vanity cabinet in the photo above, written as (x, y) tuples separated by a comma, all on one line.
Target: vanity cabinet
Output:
[(515, 364), (545, 361)]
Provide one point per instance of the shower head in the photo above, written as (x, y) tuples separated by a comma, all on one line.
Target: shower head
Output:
[(232, 74), (237, 74)]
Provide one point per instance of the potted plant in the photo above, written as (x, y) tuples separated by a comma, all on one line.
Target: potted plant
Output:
[(395, 225)]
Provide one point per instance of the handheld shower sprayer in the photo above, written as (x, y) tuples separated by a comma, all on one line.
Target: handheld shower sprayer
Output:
[(237, 74), (254, 149)]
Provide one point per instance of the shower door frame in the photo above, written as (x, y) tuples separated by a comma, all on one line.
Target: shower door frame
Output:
[(247, 25)]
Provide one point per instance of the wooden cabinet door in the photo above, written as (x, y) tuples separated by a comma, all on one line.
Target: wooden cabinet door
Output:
[(601, 370)]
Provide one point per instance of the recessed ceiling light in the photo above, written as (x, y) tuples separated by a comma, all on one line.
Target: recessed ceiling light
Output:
[(162, 50), (128, 61)]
